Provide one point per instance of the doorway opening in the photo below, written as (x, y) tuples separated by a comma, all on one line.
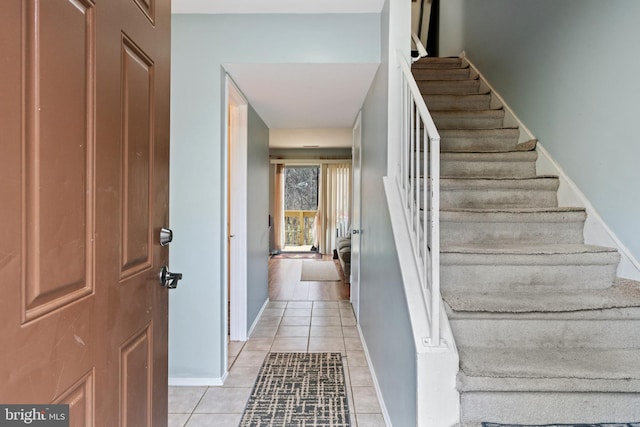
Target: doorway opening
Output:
[(301, 184)]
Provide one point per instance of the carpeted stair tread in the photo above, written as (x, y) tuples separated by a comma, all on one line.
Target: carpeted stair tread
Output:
[(503, 164), (438, 62), (498, 192), (623, 294), (447, 87), (483, 140), (469, 119), (551, 249), (458, 102), (461, 73), (511, 226), (549, 369)]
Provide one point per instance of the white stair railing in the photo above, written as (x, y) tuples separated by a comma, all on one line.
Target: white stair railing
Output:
[(418, 182)]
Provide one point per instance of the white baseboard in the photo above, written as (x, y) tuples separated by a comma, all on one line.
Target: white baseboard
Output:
[(376, 386), (596, 231), (197, 381)]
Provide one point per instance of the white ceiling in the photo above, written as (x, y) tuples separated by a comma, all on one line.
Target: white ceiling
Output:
[(277, 6), (297, 96)]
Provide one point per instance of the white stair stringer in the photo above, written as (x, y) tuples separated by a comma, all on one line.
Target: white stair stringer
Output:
[(546, 333)]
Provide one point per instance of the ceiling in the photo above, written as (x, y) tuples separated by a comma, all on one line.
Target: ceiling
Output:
[(298, 96), (276, 6), (302, 95)]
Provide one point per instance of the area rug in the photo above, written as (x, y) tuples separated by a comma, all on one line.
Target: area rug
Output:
[(299, 389), (319, 271), (563, 425)]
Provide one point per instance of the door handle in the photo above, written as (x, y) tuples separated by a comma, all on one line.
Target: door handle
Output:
[(355, 231), (168, 279)]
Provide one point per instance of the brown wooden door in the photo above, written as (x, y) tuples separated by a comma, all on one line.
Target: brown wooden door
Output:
[(84, 159)]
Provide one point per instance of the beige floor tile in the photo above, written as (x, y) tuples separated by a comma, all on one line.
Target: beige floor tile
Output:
[(300, 304), (330, 344), (325, 312), (365, 400), (269, 321), (350, 332), (234, 348), (370, 420), (326, 331), (178, 420), (360, 376), (242, 376), (183, 400), (224, 400), (352, 416), (356, 358), (290, 344), (293, 331), (277, 304), (258, 343), (297, 312), (325, 321), (349, 321), (261, 331), (217, 420), (325, 304), (250, 358), (296, 321), (272, 312), (352, 343)]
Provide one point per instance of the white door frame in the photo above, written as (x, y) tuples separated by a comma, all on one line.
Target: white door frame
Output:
[(235, 178), (356, 206)]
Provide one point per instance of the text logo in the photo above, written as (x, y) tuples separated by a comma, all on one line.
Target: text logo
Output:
[(34, 415)]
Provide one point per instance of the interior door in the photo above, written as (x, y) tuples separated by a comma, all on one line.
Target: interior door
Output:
[(355, 221), (84, 168)]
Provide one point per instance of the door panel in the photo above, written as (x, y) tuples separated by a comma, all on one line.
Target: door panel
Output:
[(84, 166)]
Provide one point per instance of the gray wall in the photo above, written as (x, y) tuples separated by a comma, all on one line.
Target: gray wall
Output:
[(384, 317), (570, 72), (257, 215), (201, 44)]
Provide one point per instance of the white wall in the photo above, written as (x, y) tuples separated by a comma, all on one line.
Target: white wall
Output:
[(200, 45), (569, 71)]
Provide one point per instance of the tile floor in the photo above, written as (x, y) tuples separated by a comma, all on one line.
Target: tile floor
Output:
[(294, 326)]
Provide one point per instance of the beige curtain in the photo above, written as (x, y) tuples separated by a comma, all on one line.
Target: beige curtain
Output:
[(334, 204), (278, 213)]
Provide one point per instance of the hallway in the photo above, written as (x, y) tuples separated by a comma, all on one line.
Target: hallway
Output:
[(300, 317)]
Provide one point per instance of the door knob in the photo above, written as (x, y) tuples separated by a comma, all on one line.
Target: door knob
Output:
[(168, 279), (355, 231), (166, 236)]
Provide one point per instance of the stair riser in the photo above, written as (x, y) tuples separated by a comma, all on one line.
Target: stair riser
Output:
[(479, 140), (441, 74), (539, 334), (468, 122), (549, 408), (497, 198), (516, 169), (458, 102), (437, 63), (462, 87), (502, 273), (523, 232)]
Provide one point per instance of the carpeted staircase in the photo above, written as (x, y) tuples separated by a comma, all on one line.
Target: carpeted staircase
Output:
[(545, 331)]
